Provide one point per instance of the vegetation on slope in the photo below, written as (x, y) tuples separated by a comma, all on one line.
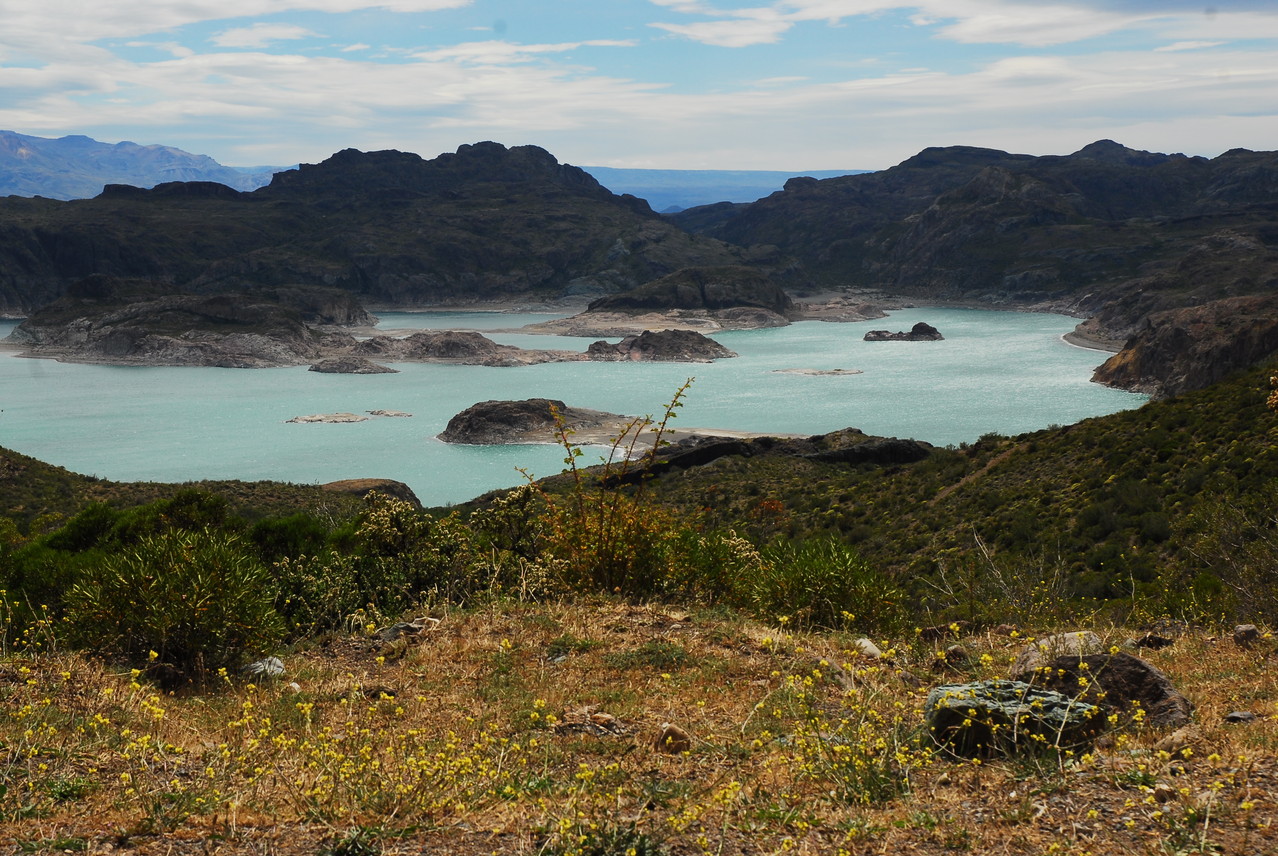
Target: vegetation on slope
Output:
[(672, 667)]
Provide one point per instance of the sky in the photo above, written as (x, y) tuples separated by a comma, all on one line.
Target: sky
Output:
[(666, 84)]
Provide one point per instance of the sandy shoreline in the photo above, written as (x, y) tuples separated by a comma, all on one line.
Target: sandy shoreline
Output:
[(1082, 340)]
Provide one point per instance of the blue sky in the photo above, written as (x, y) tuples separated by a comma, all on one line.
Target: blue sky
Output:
[(772, 84)]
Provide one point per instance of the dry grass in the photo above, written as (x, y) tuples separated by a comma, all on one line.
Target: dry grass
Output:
[(526, 729)]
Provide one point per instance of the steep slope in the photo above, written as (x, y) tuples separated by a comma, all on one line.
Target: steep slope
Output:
[(485, 223), (78, 167)]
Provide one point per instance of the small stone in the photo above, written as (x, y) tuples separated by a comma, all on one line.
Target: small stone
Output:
[(866, 648), (1179, 740), (269, 667), (673, 740), (1241, 716), (1153, 642), (1164, 792), (1004, 630), (955, 654), (941, 631), (1246, 635)]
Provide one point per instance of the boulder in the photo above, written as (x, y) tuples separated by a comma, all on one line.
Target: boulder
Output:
[(920, 332), (1075, 644), (1001, 717), (1246, 635), (1118, 682)]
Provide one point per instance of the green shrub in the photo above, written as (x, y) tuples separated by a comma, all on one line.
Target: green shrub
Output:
[(193, 601), (822, 582)]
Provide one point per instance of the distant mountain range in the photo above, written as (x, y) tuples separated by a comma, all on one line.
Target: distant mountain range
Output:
[(78, 167)]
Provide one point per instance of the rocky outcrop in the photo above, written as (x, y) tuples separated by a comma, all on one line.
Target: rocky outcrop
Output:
[(363, 487), (1186, 349), (532, 420), (685, 346), (849, 446), (241, 330), (350, 365), (920, 332)]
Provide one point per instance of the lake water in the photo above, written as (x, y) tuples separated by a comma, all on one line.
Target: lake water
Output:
[(1008, 372)]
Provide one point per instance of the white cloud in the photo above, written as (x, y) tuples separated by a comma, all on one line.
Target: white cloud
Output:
[(1024, 22), (731, 34), (502, 52), (77, 21), (260, 35), (1187, 46)]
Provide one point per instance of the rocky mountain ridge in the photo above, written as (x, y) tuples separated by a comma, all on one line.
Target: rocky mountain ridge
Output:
[(484, 223), (1107, 233)]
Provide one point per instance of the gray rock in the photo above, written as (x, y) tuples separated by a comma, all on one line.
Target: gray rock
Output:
[(1119, 682), (268, 667), (1246, 635), (1076, 644), (1001, 717), (866, 648)]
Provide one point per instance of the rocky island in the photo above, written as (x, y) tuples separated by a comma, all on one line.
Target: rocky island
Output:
[(707, 298), (533, 420), (685, 346), (920, 332), (350, 365)]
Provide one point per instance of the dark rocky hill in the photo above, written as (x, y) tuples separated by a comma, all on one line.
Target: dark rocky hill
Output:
[(487, 222), (78, 167), (1108, 232)]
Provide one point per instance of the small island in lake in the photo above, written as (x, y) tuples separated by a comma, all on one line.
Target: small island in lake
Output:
[(920, 332)]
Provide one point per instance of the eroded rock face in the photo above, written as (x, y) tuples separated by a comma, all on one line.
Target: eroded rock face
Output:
[(102, 322), (531, 420), (687, 346), (920, 332), (1186, 349)]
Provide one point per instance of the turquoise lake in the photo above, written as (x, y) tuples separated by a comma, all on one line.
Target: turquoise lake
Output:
[(1008, 372)]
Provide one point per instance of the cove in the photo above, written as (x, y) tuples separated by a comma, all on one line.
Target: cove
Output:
[(1005, 372)]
